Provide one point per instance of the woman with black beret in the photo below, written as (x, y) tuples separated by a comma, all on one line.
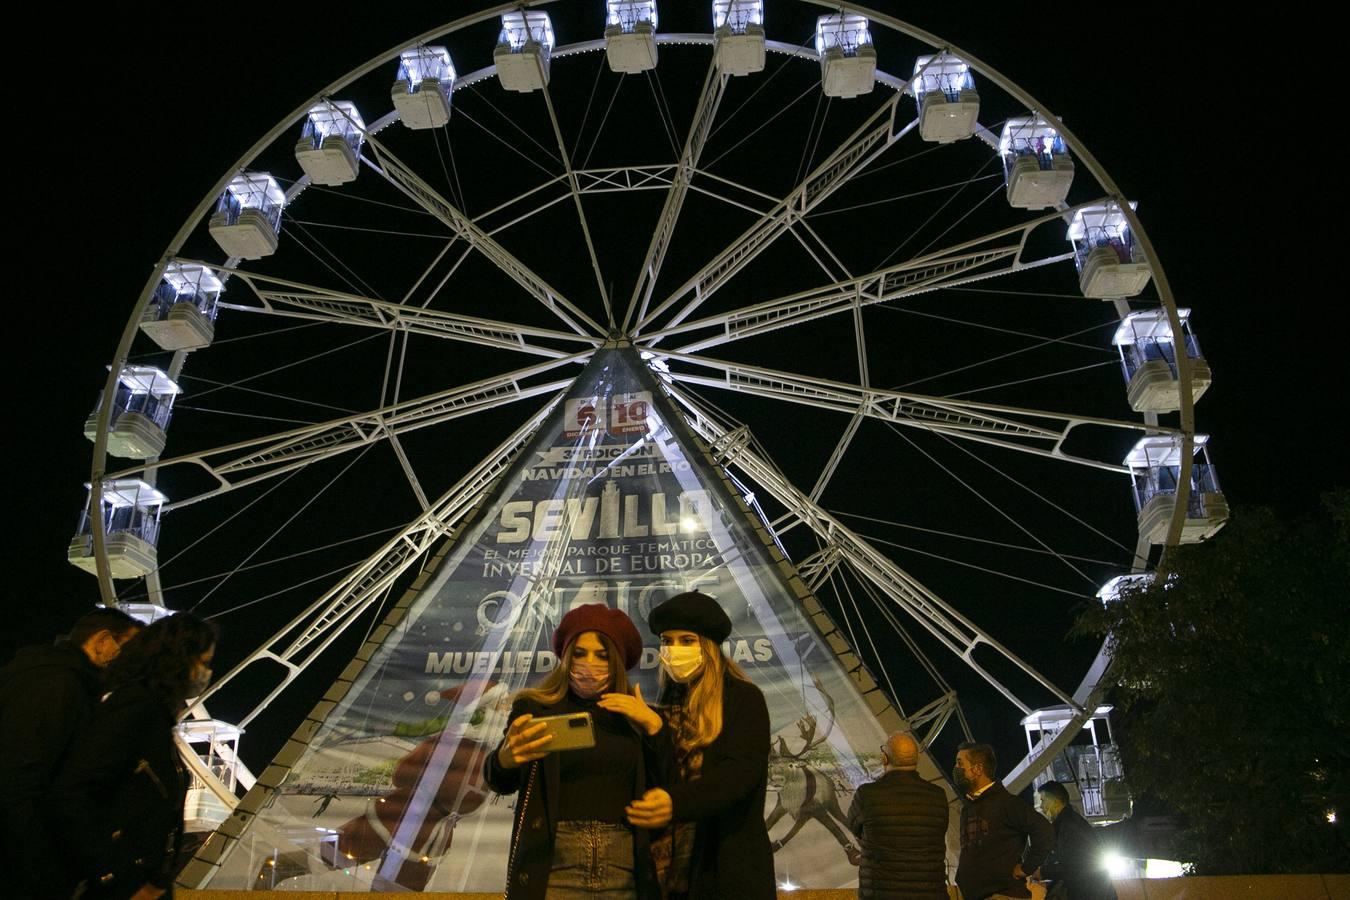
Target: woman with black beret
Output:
[(717, 846), (569, 838)]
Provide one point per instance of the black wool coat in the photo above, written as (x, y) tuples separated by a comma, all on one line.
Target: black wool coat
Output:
[(1075, 866), (732, 858), (47, 694), (120, 795), (535, 826), (901, 821)]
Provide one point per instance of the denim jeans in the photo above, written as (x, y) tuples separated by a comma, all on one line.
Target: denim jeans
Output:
[(592, 859)]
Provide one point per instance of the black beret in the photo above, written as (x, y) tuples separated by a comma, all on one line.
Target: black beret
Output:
[(691, 611)]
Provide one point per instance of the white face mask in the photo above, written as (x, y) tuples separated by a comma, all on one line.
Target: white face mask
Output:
[(682, 663)]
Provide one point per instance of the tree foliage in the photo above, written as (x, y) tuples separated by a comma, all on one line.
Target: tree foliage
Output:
[(1233, 692)]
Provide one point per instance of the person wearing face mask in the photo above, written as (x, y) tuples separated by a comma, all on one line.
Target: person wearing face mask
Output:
[(717, 845), (47, 694), (120, 793), (569, 837), (1003, 839)]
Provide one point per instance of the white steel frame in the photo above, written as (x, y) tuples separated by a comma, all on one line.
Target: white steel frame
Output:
[(649, 324)]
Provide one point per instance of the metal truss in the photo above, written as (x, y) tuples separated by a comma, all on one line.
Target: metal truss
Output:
[(999, 253), (1035, 431), (417, 190), (714, 85), (311, 632), (247, 462), (953, 630), (869, 141), (304, 301)]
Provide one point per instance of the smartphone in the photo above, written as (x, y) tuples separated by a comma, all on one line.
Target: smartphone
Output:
[(574, 731)]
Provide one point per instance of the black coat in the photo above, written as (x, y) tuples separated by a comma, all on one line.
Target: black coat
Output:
[(120, 795), (535, 826), (902, 823), (732, 858), (1075, 866), (1000, 830), (47, 694)]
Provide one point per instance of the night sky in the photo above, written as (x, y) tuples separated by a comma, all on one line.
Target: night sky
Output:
[(125, 123)]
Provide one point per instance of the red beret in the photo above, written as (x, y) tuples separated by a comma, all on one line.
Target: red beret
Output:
[(612, 623)]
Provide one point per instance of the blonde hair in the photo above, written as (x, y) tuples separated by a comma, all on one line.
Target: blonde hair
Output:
[(553, 688), (697, 721)]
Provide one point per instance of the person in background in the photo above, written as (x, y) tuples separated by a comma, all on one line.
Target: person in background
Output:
[(47, 693), (718, 846), (120, 792), (901, 821), (1075, 868), (569, 838), (1003, 839)]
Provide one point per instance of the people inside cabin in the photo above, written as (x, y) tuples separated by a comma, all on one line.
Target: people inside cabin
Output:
[(47, 694), (120, 792), (715, 844), (569, 835)]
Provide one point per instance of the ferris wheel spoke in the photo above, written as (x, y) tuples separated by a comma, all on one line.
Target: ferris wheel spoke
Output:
[(403, 178), (306, 636), (953, 630), (292, 299), (705, 112), (248, 462), (1034, 431), (998, 253), (581, 212), (869, 141)]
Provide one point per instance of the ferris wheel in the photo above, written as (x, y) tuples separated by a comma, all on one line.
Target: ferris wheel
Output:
[(920, 326)]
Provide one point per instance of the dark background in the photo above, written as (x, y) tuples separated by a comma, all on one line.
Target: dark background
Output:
[(123, 120)]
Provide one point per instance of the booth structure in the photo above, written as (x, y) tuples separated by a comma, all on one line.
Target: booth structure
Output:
[(181, 313), (421, 92), (247, 219), (630, 35), (848, 61), (1148, 359), (738, 36), (1089, 768), (329, 149), (1155, 467), (130, 511), (949, 105), (141, 408), (1036, 163), (1110, 263), (524, 50)]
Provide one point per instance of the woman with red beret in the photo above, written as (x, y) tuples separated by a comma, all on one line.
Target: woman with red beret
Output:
[(570, 837)]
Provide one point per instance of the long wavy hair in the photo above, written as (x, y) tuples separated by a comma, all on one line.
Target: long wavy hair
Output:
[(162, 656), (696, 720), (553, 688)]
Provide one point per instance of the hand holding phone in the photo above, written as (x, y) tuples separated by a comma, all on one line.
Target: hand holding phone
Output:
[(526, 741)]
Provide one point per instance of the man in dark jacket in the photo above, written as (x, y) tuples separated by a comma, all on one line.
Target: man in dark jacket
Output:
[(1075, 868), (46, 696), (1003, 840), (902, 823)]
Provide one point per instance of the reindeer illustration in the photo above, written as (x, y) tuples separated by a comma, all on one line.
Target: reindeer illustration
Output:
[(804, 791)]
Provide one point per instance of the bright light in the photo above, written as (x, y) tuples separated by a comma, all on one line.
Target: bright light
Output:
[(787, 885), (1163, 868), (1331, 817), (689, 523), (1117, 865)]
